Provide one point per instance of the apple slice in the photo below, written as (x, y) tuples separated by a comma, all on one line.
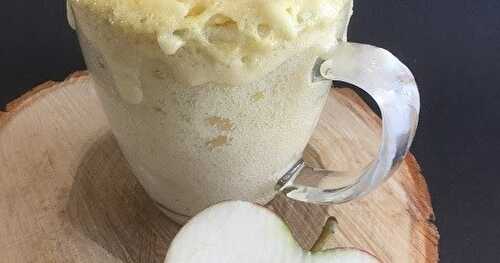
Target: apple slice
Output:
[(241, 232)]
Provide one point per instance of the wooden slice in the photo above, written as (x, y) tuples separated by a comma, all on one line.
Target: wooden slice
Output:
[(67, 194)]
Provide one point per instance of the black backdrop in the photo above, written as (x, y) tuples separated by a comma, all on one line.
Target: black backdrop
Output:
[(453, 47)]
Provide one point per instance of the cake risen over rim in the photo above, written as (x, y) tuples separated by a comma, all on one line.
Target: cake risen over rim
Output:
[(227, 29)]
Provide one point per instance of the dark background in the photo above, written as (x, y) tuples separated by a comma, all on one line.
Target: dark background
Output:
[(452, 46)]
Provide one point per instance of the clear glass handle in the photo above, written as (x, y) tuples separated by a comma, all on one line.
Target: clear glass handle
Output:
[(394, 89)]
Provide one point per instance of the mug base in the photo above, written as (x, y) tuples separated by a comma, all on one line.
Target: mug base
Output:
[(176, 217)]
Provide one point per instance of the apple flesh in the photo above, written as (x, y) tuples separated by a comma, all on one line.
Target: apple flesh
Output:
[(241, 232)]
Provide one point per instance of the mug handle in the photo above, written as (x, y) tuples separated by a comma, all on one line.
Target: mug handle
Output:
[(394, 89)]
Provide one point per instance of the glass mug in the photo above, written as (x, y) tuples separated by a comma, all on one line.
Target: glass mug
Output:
[(192, 146)]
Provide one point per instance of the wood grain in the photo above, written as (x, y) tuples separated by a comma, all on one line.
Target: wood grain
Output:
[(67, 194)]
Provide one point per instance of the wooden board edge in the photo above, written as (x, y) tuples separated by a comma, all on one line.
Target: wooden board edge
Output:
[(423, 210), (34, 95)]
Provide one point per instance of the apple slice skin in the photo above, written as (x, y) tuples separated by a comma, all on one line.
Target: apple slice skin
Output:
[(242, 232)]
